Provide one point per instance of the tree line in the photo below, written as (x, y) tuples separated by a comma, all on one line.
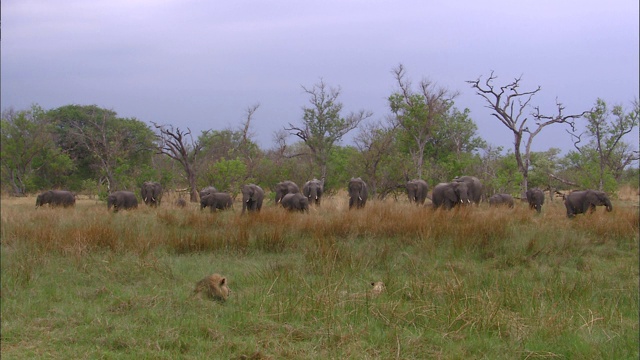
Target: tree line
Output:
[(88, 149)]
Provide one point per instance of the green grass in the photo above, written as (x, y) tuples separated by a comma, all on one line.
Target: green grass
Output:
[(476, 283)]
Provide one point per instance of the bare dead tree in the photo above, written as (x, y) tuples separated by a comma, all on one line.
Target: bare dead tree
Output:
[(510, 107), (246, 146), (246, 125), (180, 146)]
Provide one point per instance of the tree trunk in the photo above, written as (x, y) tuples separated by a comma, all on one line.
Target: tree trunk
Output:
[(193, 190)]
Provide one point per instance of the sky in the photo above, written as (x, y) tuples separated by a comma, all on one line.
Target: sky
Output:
[(201, 64)]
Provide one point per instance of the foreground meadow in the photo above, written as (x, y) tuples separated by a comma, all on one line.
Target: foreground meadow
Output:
[(471, 283)]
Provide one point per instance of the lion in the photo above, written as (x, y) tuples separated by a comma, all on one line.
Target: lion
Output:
[(213, 287)]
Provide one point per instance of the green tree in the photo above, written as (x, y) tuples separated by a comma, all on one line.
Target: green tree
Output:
[(322, 125), (418, 114), (380, 160), (544, 167), (341, 166), (222, 145), (453, 150), (226, 175), (30, 157), (499, 173), (605, 130), (103, 146)]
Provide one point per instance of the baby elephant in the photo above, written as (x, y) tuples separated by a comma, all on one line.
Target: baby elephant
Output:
[(501, 200), (295, 202), (216, 201)]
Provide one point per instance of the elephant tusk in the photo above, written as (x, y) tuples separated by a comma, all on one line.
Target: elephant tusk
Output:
[(360, 198), (153, 199), (316, 197)]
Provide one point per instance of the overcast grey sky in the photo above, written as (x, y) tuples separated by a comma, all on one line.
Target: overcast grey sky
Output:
[(201, 63)]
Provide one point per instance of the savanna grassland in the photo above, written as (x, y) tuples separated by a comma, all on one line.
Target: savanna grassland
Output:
[(471, 283)]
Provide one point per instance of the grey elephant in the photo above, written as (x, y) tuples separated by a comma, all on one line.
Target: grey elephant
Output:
[(252, 197), (207, 191), (474, 185), (535, 198), (151, 193), (417, 191), (449, 195), (56, 198), (581, 202), (358, 193), (501, 200), (122, 200), (313, 190), (284, 188), (216, 201), (295, 202)]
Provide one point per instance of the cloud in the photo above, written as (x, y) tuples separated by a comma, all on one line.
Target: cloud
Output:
[(201, 63)]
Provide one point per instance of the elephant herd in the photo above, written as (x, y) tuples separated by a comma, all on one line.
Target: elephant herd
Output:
[(461, 191)]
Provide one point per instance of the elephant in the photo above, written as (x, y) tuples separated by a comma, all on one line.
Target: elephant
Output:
[(151, 193), (581, 202), (474, 185), (56, 198), (501, 200), (216, 201), (207, 191), (449, 195), (252, 197), (535, 198), (122, 200), (357, 193), (417, 191), (313, 190), (284, 188), (295, 202)]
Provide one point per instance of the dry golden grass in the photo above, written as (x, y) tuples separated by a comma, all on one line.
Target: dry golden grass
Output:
[(629, 193), (89, 226)]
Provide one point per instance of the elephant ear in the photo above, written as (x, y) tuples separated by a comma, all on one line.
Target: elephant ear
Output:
[(591, 198), (450, 193)]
